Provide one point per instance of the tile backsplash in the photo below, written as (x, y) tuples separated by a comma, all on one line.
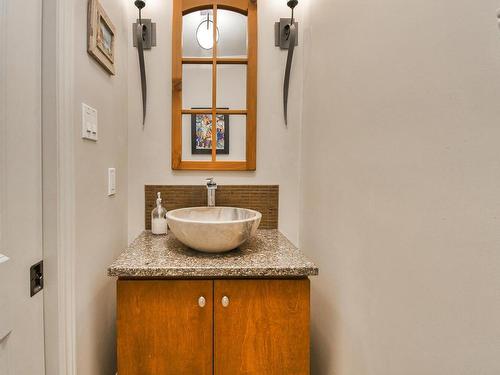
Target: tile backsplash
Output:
[(262, 198)]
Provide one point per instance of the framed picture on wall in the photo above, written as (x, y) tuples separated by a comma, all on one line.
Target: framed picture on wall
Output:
[(101, 36), (201, 133)]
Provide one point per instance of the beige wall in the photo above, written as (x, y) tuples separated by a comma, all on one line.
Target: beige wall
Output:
[(277, 147), (101, 221), (401, 183)]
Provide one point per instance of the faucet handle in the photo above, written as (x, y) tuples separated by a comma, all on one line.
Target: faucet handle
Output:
[(210, 182)]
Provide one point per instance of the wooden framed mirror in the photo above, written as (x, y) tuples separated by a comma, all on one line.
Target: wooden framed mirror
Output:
[(214, 76)]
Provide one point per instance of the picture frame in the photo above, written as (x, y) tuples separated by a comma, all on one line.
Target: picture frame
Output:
[(201, 133), (101, 36)]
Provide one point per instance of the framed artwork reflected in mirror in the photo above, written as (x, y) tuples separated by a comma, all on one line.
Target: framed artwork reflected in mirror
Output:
[(201, 133)]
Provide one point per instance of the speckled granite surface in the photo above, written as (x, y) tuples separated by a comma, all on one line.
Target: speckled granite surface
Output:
[(267, 254)]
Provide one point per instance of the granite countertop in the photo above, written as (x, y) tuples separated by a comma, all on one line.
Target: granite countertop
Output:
[(268, 254)]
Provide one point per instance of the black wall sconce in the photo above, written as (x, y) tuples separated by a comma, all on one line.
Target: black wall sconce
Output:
[(144, 38), (286, 37)]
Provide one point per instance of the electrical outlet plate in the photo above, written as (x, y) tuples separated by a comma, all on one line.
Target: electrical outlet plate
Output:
[(89, 122)]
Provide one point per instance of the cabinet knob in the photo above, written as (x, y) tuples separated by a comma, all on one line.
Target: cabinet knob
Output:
[(225, 301), (201, 301)]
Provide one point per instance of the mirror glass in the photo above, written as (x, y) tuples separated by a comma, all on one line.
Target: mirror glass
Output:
[(232, 28), (196, 86), (197, 34), (232, 86), (211, 103), (231, 137), (197, 137)]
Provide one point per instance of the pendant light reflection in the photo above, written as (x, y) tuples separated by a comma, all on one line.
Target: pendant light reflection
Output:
[(205, 33)]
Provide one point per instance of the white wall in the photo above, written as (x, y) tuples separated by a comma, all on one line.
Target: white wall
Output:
[(401, 182), (277, 147), (101, 221)]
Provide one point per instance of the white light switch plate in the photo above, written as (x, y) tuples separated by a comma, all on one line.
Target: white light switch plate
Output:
[(89, 122), (111, 181)]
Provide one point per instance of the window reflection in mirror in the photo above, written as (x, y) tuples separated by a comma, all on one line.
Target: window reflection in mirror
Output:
[(196, 25), (196, 86), (233, 34), (197, 34), (235, 139), (232, 86)]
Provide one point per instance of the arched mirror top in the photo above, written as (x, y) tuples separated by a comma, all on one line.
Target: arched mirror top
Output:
[(240, 6), (198, 34)]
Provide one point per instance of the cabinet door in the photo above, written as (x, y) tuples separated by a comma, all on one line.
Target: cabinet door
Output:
[(161, 328), (264, 329)]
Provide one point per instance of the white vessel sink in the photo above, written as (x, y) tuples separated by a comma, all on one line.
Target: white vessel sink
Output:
[(213, 229)]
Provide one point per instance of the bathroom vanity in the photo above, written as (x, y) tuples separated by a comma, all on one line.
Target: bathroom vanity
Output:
[(184, 312)]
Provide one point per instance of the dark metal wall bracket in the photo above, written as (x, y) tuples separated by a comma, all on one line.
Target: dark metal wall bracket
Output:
[(281, 39), (149, 35)]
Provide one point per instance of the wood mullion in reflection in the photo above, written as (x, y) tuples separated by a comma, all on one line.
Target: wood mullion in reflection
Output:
[(214, 87), (219, 111), (220, 60)]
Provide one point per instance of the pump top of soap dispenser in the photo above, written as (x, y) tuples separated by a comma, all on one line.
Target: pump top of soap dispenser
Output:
[(159, 211), (158, 217)]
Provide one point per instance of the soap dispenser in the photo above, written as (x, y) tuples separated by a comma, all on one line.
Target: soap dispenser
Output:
[(158, 218)]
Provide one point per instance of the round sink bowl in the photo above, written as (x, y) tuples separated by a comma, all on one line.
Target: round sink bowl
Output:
[(213, 229)]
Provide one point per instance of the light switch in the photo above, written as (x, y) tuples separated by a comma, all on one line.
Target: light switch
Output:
[(111, 181), (89, 122)]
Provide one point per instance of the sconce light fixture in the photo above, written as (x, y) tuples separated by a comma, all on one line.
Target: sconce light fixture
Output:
[(286, 32), (144, 38), (205, 32)]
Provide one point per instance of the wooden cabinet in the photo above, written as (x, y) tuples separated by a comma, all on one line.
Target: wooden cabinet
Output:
[(162, 330), (262, 328)]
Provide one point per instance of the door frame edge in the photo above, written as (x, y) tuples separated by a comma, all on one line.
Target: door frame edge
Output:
[(58, 155)]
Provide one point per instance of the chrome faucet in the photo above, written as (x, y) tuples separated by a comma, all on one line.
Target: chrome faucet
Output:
[(211, 187)]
